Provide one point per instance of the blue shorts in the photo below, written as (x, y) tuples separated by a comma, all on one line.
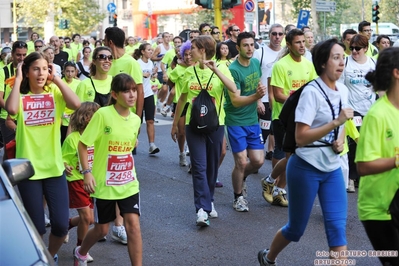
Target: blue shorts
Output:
[(245, 137)]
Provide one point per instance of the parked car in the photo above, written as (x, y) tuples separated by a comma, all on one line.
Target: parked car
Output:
[(20, 243)]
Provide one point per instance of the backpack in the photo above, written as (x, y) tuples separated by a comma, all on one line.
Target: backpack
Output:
[(287, 119), (204, 117), (101, 99)]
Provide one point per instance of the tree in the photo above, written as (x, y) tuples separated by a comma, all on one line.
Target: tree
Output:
[(83, 15)]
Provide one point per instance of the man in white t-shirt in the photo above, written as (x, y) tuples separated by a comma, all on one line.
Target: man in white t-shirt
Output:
[(267, 55)]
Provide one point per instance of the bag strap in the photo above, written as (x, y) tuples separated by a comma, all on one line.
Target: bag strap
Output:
[(336, 130), (82, 70), (261, 58), (207, 85)]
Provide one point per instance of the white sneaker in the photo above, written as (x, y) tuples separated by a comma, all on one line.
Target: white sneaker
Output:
[(351, 186), (89, 258), (240, 204), (153, 149), (202, 218), (77, 260), (46, 221), (182, 159), (66, 240), (119, 234), (213, 213), (165, 110)]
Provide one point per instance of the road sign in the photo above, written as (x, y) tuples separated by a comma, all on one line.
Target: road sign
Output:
[(249, 17), (303, 18), (249, 6), (325, 6), (111, 7)]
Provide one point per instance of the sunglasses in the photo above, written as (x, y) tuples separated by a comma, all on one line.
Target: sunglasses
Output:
[(236, 30), (67, 42), (103, 57), (215, 33), (277, 33), (38, 46), (357, 48), (206, 30)]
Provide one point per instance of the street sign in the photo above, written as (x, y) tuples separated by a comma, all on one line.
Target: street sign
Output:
[(303, 18), (325, 6), (249, 6), (111, 7), (249, 17)]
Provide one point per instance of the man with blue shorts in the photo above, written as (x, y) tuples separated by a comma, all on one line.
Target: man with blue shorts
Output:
[(243, 129)]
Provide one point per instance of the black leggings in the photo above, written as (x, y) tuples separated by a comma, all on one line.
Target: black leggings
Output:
[(383, 235)]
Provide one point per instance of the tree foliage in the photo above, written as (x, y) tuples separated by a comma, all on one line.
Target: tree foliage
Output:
[(193, 20), (83, 15)]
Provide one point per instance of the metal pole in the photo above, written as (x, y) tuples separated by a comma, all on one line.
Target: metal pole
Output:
[(14, 21), (218, 13)]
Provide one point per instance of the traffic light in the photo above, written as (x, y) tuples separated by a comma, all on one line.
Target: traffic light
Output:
[(227, 4), (115, 20), (375, 12), (18, 29), (204, 3), (66, 24)]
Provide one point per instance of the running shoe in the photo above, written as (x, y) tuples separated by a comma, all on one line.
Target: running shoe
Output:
[(213, 213), (46, 221), (202, 218), (77, 259), (218, 183), (182, 159), (280, 198), (153, 149), (269, 155), (66, 240), (240, 204), (189, 168), (262, 258), (89, 258), (119, 234), (351, 186), (56, 259), (165, 110), (267, 188)]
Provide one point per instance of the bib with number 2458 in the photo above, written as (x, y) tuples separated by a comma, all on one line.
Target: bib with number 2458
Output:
[(120, 170)]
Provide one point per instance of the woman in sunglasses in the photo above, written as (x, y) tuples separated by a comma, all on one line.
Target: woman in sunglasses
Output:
[(361, 95), (97, 87)]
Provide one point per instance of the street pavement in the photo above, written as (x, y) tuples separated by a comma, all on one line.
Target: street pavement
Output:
[(170, 236)]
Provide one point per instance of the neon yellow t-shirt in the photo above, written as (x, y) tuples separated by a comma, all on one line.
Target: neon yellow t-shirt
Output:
[(155, 87), (290, 76), (379, 135), (31, 47), (85, 90), (176, 76), (38, 131), (67, 112), (69, 51), (75, 49), (167, 60), (351, 131), (127, 64), (114, 138), (3, 112), (215, 89), (70, 155), (129, 50)]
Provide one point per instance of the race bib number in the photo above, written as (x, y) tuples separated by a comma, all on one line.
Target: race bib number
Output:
[(90, 158), (358, 120), (120, 170), (38, 109), (264, 124)]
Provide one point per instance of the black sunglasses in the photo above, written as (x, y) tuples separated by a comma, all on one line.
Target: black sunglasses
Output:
[(357, 48), (37, 46), (277, 33), (105, 57)]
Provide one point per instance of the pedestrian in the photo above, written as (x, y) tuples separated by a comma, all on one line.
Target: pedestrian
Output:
[(205, 150), (79, 199), (319, 118), (243, 130), (37, 102), (84, 64), (113, 130), (377, 157)]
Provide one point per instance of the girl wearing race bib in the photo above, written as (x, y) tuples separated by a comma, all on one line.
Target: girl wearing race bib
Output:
[(112, 180), (37, 102), (79, 199)]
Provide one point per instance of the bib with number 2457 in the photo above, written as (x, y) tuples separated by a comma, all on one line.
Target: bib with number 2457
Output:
[(38, 109)]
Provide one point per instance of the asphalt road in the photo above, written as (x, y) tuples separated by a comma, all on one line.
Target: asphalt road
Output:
[(170, 236)]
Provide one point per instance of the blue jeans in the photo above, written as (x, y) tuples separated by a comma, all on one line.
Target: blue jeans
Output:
[(55, 190), (305, 181), (205, 151)]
